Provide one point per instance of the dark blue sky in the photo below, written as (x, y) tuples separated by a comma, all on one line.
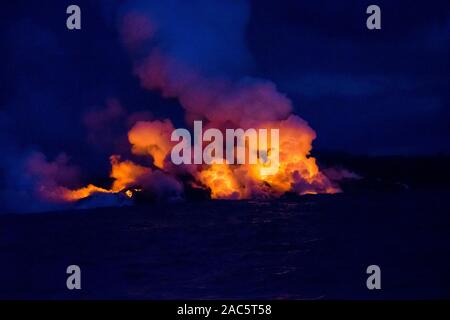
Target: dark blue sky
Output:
[(366, 92)]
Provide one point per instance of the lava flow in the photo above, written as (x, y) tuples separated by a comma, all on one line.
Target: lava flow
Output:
[(297, 171), (221, 103)]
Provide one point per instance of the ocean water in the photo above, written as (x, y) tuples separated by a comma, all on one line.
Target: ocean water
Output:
[(311, 247)]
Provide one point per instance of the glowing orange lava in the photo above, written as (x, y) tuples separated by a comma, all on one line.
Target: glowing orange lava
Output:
[(297, 171)]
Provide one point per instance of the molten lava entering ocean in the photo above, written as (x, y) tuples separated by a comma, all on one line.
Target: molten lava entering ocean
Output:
[(297, 171), (220, 103)]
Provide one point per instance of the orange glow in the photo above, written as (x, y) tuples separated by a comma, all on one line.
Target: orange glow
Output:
[(297, 171), (152, 138), (124, 173), (73, 195), (220, 179)]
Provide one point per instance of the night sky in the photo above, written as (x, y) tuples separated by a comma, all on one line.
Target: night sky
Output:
[(382, 92)]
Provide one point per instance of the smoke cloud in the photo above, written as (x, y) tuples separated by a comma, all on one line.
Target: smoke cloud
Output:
[(194, 52)]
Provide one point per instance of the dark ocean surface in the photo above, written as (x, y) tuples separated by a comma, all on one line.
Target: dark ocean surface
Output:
[(312, 247)]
